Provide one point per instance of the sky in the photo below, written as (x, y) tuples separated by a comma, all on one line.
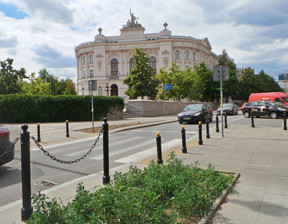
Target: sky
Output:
[(40, 34)]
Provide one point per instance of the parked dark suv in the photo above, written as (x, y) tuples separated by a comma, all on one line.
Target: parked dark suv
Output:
[(6, 152), (265, 108), (193, 113)]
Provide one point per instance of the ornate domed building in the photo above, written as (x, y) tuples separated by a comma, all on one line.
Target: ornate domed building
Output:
[(102, 64)]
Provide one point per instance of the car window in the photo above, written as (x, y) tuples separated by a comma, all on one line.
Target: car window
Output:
[(254, 103), (193, 107), (261, 104)]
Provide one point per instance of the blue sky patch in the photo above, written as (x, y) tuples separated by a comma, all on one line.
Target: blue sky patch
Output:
[(11, 10)]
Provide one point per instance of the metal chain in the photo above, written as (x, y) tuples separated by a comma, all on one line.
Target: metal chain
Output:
[(9, 147), (68, 162)]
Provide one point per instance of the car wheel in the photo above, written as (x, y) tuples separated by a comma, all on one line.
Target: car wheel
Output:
[(236, 112), (246, 114), (180, 122), (273, 115)]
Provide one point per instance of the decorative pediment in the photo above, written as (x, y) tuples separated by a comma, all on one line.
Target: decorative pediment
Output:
[(99, 56), (165, 52), (206, 42)]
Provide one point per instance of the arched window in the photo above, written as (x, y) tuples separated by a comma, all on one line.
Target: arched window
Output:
[(177, 54), (91, 59), (131, 64), (152, 63), (114, 90), (114, 67), (187, 55), (100, 91)]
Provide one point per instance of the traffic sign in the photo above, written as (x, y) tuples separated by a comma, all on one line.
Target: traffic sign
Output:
[(167, 86)]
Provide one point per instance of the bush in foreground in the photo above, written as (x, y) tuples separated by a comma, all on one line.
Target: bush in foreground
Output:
[(158, 194)]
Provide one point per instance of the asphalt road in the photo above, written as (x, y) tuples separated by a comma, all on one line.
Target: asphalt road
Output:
[(124, 147)]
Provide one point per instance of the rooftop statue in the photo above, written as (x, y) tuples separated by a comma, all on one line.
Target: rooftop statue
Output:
[(132, 23)]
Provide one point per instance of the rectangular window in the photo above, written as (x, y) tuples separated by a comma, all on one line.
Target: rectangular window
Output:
[(91, 59), (91, 73), (83, 60)]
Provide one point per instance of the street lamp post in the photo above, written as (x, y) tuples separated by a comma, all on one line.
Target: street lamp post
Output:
[(107, 88)]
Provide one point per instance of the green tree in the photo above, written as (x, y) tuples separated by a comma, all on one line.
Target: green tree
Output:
[(203, 89), (70, 88), (10, 79), (35, 86), (247, 83), (230, 87), (141, 81), (267, 83), (180, 81)]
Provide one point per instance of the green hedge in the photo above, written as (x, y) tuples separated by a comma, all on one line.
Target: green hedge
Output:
[(30, 108)]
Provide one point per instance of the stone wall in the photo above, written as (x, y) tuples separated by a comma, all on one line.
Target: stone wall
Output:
[(150, 108)]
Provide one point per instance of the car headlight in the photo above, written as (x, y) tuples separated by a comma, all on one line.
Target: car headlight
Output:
[(281, 109), (197, 114)]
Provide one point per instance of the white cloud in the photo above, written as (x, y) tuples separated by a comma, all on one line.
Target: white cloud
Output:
[(248, 30)]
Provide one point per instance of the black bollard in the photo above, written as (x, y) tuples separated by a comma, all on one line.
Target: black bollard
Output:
[(159, 149), (252, 119), (200, 133), (106, 177), (225, 114), (284, 120), (67, 128), (27, 209), (184, 148), (207, 129), (217, 123), (38, 133)]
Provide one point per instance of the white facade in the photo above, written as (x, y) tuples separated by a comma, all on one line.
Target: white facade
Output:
[(109, 59)]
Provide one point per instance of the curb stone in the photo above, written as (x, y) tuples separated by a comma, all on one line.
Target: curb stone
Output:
[(219, 201)]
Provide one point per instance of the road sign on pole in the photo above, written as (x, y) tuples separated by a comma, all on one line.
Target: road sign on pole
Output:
[(221, 73), (167, 86)]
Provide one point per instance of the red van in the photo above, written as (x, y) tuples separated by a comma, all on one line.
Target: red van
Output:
[(270, 96)]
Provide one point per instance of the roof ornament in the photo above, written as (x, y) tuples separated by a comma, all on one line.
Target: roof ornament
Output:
[(165, 25), (132, 23)]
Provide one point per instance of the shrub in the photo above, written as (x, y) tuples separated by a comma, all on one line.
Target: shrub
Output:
[(157, 194), (30, 108)]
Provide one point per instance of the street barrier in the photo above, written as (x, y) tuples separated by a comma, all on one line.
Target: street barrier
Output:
[(200, 133), (284, 121), (38, 133), (217, 123), (252, 119), (225, 115), (67, 129), (207, 129), (159, 148), (27, 208), (106, 177), (184, 148)]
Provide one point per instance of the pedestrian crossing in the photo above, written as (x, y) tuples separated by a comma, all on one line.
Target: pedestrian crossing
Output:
[(137, 148)]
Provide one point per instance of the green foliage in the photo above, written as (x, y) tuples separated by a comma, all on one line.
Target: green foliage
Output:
[(141, 81), (35, 86), (158, 194), (29, 108), (10, 79)]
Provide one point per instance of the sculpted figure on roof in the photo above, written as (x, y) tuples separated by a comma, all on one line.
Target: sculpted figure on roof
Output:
[(132, 23)]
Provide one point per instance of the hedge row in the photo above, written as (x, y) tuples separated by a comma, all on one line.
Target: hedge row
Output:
[(30, 108)]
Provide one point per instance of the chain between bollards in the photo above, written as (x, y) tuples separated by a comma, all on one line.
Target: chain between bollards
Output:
[(184, 148), (200, 133), (67, 128), (27, 209), (159, 148), (38, 133), (106, 177)]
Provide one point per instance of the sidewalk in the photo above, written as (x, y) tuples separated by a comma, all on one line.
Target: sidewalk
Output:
[(259, 154)]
